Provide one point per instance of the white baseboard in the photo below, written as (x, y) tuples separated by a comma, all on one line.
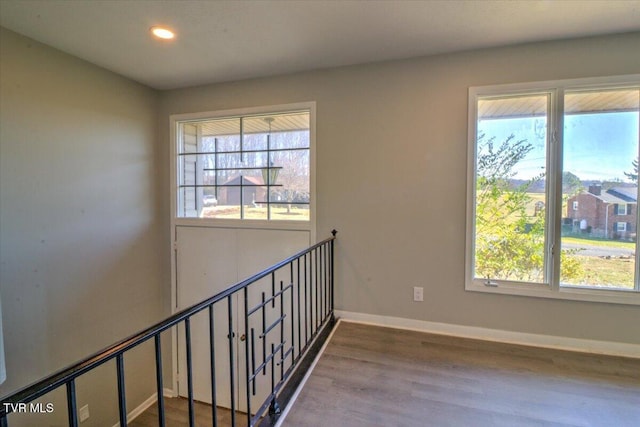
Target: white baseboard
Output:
[(168, 392), (145, 405), (537, 340)]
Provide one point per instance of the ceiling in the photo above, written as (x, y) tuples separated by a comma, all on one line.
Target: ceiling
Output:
[(221, 41)]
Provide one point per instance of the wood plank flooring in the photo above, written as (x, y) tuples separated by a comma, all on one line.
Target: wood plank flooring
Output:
[(374, 376), (177, 415)]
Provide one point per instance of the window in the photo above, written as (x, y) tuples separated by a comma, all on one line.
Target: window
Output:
[(244, 166), (533, 148), (621, 209)]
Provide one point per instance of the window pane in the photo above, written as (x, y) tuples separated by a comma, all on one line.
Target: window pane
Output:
[(224, 172), (600, 178), (220, 135), (510, 184), (228, 203)]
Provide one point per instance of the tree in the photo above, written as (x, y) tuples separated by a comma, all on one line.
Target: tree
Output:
[(633, 176), (509, 242), (293, 177), (571, 184), (292, 156)]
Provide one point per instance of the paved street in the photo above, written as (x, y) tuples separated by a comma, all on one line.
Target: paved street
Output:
[(593, 250)]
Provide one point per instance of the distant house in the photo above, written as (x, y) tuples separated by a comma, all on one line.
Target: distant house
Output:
[(610, 214), (253, 190)]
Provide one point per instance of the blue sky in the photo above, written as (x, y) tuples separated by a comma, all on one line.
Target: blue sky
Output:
[(596, 147)]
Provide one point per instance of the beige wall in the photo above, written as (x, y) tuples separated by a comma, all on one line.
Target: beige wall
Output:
[(82, 255), (391, 177)]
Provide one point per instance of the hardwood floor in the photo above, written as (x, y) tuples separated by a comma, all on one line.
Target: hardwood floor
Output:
[(177, 415), (374, 376)]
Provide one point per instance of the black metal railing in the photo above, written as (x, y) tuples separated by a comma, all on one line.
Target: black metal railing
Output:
[(283, 327)]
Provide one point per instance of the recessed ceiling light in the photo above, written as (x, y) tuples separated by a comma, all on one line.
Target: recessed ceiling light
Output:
[(162, 33)]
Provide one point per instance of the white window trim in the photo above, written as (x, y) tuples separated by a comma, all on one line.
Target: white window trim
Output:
[(243, 223), (623, 228), (620, 210), (575, 205), (552, 288)]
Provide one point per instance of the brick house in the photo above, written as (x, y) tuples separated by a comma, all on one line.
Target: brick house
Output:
[(610, 214)]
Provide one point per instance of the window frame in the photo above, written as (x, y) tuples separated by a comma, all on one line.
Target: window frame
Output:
[(553, 198), (619, 211), (623, 229), (575, 205), (175, 119)]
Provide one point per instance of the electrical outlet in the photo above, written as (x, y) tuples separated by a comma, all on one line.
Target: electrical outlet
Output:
[(418, 293), (83, 413)]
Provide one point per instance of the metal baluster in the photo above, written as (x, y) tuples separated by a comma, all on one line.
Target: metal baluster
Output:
[(323, 275), (159, 388), (311, 293), (273, 289), (71, 405), (187, 335), (253, 359), (321, 248), (306, 304), (326, 280), (122, 402), (293, 337), (317, 300), (299, 311), (264, 338), (333, 288), (232, 373), (246, 358), (273, 407), (281, 331), (212, 362)]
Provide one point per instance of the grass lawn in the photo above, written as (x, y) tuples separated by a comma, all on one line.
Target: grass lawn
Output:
[(277, 213), (599, 242), (602, 272)]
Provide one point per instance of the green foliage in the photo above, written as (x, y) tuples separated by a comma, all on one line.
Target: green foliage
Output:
[(571, 184), (509, 243), (570, 266)]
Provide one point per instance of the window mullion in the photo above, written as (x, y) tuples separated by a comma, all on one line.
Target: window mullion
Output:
[(199, 172), (241, 161), (556, 137), (637, 254)]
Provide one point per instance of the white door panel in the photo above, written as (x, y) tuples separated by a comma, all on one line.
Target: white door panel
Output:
[(208, 261), (203, 270)]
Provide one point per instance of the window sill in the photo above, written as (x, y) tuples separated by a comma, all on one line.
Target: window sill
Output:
[(572, 293), (243, 223)]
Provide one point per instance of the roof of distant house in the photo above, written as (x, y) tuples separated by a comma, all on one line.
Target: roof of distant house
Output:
[(619, 195), (246, 180), (629, 194)]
